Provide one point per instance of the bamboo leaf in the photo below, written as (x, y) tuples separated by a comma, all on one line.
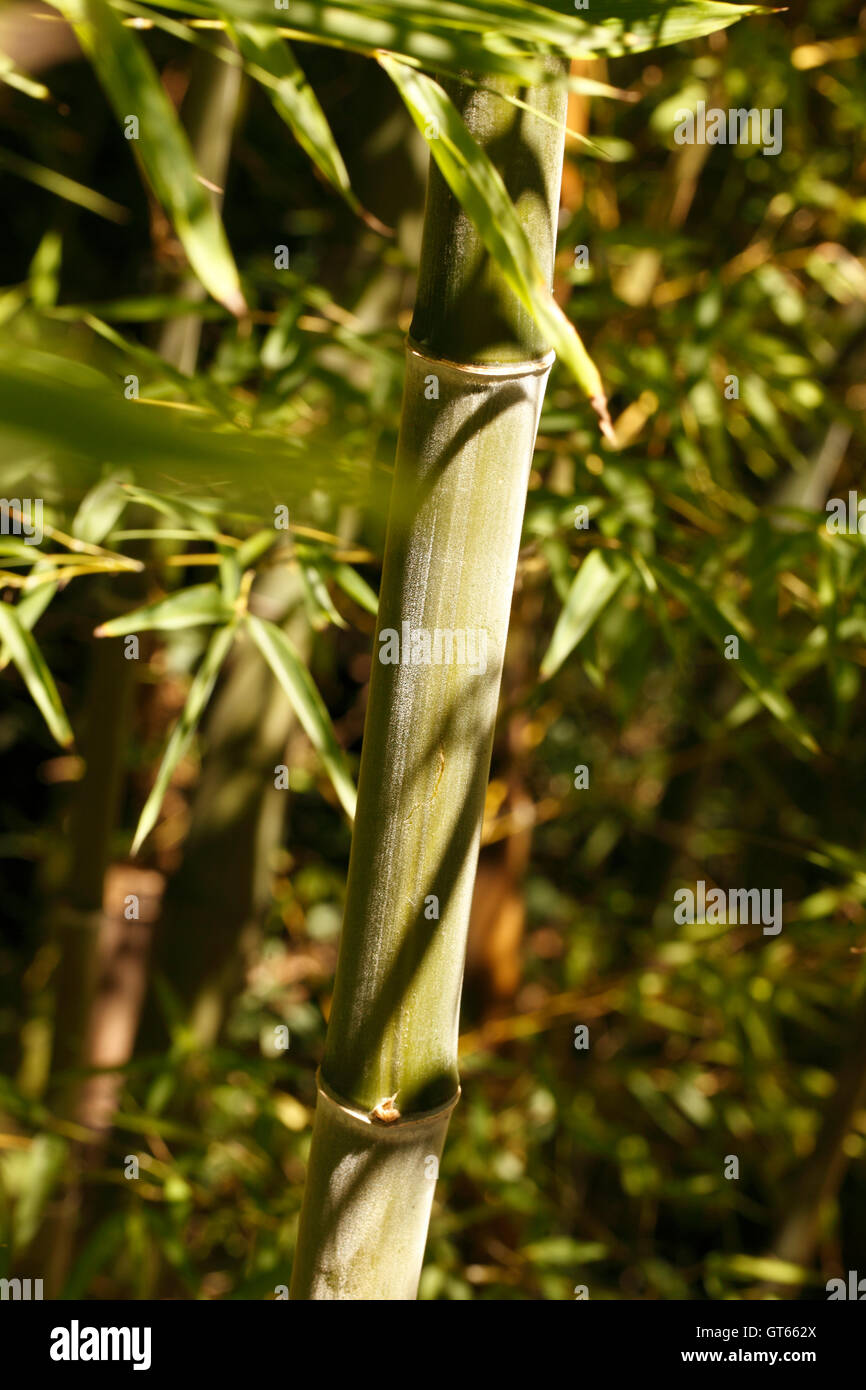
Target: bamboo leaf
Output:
[(255, 546), (479, 188), (490, 36), (766, 1267), (73, 410), (749, 667), (63, 187), (319, 603), (12, 75), (353, 584), (31, 606), (200, 604), (179, 739), (100, 510), (198, 516), (275, 66), (44, 275), (133, 88), (593, 587), (286, 664), (23, 651)]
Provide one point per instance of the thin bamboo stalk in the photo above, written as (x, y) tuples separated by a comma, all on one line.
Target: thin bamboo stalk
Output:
[(475, 379)]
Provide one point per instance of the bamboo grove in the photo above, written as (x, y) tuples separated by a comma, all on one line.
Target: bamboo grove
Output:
[(411, 608)]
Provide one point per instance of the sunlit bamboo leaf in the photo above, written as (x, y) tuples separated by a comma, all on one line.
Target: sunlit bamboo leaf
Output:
[(134, 90), (274, 64), (27, 657), (193, 607), (595, 584), (255, 546), (286, 664), (486, 36), (63, 187), (100, 510), (179, 739), (353, 584), (12, 75)]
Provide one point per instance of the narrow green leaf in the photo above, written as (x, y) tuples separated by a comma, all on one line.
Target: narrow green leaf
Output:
[(100, 510), (45, 270), (29, 660), (31, 606), (12, 75), (766, 1267), (319, 603), (488, 36), (595, 584), (132, 85), (286, 664), (272, 63), (44, 1166), (193, 607), (479, 188), (353, 584), (749, 667), (74, 411), (198, 517), (179, 739), (255, 546), (62, 187)]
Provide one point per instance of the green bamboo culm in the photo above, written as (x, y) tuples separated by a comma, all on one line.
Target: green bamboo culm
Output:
[(475, 378)]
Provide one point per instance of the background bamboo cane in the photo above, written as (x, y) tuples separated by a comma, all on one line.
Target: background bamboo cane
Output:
[(476, 373)]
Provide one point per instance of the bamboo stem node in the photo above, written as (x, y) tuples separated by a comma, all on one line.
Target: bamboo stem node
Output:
[(392, 1118), (485, 371)]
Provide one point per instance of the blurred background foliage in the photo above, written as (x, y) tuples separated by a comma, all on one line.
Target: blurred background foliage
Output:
[(141, 996)]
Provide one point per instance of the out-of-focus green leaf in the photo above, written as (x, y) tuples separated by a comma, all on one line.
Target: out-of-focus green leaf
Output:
[(73, 410), (193, 607), (255, 546), (353, 584), (198, 517), (100, 510), (320, 605), (132, 85), (62, 187), (31, 606), (595, 584), (35, 1174), (507, 36), (286, 664), (760, 1267), (45, 270), (179, 739), (12, 75), (561, 1250), (29, 660), (749, 667)]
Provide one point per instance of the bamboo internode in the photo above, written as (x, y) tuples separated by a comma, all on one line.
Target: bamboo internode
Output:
[(476, 371)]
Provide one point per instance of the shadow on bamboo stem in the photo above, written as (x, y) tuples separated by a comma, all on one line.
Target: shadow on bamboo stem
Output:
[(450, 557), (449, 567), (476, 372)]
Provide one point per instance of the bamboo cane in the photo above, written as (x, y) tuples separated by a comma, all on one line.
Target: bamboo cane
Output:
[(476, 372)]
